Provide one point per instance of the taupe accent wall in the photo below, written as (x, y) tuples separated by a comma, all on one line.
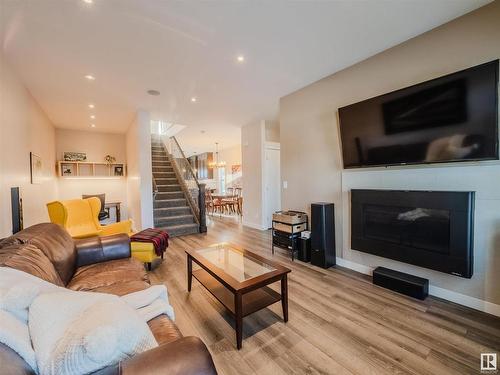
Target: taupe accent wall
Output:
[(310, 147)]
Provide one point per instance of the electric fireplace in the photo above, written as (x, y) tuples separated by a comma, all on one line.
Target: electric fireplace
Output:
[(432, 229)]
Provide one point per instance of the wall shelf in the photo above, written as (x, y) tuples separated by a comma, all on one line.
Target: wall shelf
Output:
[(86, 169)]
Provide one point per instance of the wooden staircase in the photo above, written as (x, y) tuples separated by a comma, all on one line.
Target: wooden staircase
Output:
[(171, 210)]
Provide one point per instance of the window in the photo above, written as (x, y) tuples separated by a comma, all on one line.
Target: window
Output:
[(221, 180)]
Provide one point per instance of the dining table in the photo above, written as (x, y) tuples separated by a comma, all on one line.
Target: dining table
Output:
[(223, 196)]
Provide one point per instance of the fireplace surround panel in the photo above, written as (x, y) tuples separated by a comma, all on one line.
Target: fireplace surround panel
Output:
[(432, 229)]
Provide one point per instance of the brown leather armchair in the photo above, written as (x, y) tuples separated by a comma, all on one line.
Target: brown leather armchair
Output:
[(100, 264)]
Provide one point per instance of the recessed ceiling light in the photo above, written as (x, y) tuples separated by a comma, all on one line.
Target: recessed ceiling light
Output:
[(90, 77), (88, 1), (240, 58), (193, 99), (153, 92), (92, 117), (92, 125), (91, 106)]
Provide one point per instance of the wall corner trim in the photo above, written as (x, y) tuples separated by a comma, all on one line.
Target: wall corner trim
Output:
[(449, 295)]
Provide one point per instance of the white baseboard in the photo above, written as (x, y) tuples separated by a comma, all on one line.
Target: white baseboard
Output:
[(361, 268), (462, 299), (449, 295), (253, 225)]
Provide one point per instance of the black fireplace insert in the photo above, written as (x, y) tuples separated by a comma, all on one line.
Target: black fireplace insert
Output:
[(432, 229)]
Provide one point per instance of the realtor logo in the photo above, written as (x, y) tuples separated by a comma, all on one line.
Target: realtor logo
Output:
[(489, 362)]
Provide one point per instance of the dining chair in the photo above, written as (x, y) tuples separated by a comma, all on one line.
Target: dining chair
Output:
[(232, 201), (216, 204), (239, 200)]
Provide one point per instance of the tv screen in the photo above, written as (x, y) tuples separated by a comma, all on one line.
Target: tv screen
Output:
[(448, 119)]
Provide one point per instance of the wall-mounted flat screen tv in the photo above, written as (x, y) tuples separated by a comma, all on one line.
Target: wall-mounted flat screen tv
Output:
[(448, 119)]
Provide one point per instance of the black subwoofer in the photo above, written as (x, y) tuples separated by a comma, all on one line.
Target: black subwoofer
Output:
[(322, 235), (404, 283)]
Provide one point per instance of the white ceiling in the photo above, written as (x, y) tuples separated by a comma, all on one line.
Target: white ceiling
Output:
[(189, 48)]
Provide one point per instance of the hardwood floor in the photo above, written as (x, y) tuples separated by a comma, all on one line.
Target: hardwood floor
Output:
[(339, 323)]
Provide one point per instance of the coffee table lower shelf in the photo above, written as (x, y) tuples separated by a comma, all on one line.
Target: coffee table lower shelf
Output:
[(251, 302)]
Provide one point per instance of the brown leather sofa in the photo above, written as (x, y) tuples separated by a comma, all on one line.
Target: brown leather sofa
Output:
[(100, 264)]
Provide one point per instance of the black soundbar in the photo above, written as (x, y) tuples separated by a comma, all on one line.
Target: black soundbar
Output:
[(400, 282)]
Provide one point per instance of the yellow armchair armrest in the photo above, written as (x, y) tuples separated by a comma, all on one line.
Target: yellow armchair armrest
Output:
[(116, 228)]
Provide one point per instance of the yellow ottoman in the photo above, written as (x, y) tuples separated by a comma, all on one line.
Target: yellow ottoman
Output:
[(144, 252)]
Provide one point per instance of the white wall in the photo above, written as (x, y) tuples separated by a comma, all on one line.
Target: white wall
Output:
[(311, 158), (253, 138), (23, 128), (272, 131), (96, 145), (139, 179)]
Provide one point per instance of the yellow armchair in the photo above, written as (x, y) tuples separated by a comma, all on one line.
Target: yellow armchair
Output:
[(80, 218)]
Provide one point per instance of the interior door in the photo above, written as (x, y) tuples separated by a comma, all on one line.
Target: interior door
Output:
[(272, 184)]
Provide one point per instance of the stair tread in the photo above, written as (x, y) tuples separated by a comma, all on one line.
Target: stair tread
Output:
[(174, 217), (170, 199), (178, 226), (170, 208), (183, 216)]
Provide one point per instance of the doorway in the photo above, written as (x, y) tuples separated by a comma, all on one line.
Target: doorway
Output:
[(272, 181)]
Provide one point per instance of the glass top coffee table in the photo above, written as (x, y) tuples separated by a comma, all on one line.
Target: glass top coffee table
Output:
[(238, 279)]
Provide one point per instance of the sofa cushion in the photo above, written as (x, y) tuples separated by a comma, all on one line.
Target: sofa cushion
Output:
[(105, 275), (30, 259), (55, 243)]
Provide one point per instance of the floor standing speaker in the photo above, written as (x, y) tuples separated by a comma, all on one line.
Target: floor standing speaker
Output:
[(17, 209), (322, 235)]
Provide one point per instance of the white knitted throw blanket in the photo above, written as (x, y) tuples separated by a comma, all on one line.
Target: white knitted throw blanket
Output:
[(56, 330)]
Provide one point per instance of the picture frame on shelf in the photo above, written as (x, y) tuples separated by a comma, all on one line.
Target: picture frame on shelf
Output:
[(74, 156), (118, 170), (36, 168), (68, 170)]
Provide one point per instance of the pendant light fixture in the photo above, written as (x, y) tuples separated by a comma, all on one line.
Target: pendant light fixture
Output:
[(217, 163)]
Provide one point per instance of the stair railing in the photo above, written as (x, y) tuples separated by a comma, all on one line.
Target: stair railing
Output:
[(155, 187), (186, 175)]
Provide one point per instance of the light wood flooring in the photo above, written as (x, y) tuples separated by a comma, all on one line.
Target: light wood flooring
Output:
[(339, 323)]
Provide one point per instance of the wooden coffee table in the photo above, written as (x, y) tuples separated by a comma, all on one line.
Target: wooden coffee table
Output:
[(238, 278)]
